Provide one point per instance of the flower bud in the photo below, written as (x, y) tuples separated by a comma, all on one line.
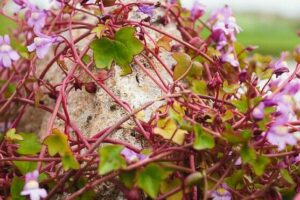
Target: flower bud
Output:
[(297, 54), (91, 87), (193, 179)]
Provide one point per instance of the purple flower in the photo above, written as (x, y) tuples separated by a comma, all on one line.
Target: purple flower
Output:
[(148, 10), (35, 18), (221, 193), (20, 2), (197, 11), (258, 111), (7, 54), (131, 155), (224, 26), (173, 1), (230, 58), (31, 187), (278, 135), (42, 44), (280, 66)]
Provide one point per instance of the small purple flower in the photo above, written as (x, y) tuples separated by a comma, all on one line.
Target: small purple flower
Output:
[(31, 187), (197, 11), (20, 2), (131, 155), (280, 66), (258, 111), (36, 18), (221, 14), (296, 159), (278, 135), (221, 193), (42, 44), (148, 10), (7, 54), (172, 1), (230, 58), (224, 26)]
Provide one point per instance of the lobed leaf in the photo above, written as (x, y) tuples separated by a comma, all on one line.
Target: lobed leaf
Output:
[(110, 159), (121, 49)]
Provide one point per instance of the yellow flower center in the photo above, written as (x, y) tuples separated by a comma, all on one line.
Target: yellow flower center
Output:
[(281, 130), (5, 47), (32, 184), (221, 191), (35, 15)]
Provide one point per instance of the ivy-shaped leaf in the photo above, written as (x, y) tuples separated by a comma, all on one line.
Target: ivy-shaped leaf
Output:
[(169, 131), (150, 179), (25, 166), (16, 188), (203, 140), (183, 65), (177, 112), (110, 159), (128, 178), (286, 175), (99, 30), (230, 89), (241, 104), (69, 161), (57, 142), (12, 136), (260, 164), (199, 87), (121, 49), (6, 25), (168, 185), (30, 145), (193, 179), (235, 181), (164, 42), (247, 154)]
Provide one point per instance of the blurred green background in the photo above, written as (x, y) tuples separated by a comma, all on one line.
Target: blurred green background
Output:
[(271, 33)]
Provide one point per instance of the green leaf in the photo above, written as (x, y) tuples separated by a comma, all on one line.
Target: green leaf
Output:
[(286, 175), (169, 131), (196, 70), (110, 159), (6, 25), (168, 185), (16, 188), (183, 65), (260, 164), (11, 135), (88, 194), (25, 166), (203, 140), (199, 87), (121, 49), (193, 179), (57, 142), (30, 145), (228, 115), (150, 178), (241, 105), (177, 112), (21, 48), (248, 154), (230, 89), (128, 178), (164, 42), (235, 180), (69, 161)]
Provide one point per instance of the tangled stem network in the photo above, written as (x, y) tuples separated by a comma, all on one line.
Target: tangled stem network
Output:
[(226, 126)]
